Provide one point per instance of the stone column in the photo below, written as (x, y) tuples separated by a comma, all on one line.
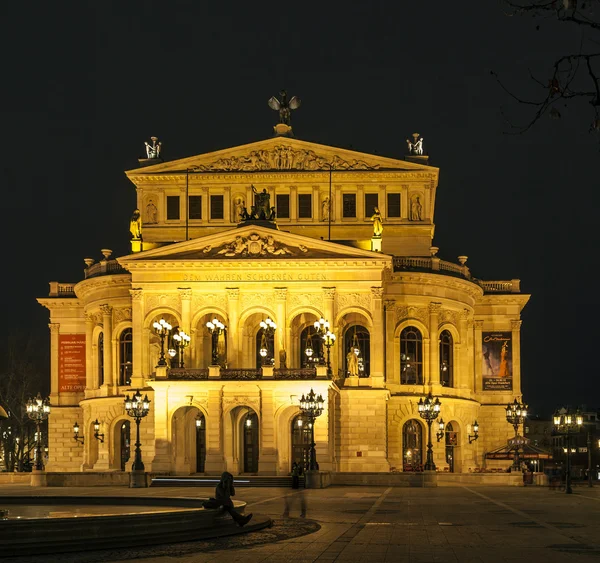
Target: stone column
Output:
[(267, 459), (54, 352), (139, 334), (377, 343), (515, 326), (110, 380), (233, 336), (477, 332), (280, 333), (185, 295), (434, 348), (461, 362), (390, 344), (162, 460), (329, 312), (215, 462), (90, 375)]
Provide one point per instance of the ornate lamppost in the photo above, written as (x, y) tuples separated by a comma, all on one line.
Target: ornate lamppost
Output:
[(566, 424), (329, 341), (216, 328), (309, 351), (162, 328), (516, 413), (38, 410), (268, 329), (182, 341), (429, 411), (321, 328), (312, 406), (137, 408)]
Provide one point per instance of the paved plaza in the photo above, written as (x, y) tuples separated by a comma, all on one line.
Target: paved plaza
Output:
[(377, 524)]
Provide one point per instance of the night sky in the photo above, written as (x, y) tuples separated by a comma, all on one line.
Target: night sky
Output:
[(85, 84)]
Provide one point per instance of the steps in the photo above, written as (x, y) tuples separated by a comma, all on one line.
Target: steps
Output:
[(277, 481)]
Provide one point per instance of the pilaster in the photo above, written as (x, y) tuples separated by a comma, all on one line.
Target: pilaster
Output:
[(390, 325), (89, 353), (267, 462), (54, 332), (109, 376), (477, 335), (233, 338), (377, 342), (215, 462), (280, 333), (185, 295), (515, 326), (434, 348), (139, 334)]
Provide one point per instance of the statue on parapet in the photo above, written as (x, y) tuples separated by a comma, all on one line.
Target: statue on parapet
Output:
[(416, 145), (135, 225), (262, 202), (153, 150), (284, 107)]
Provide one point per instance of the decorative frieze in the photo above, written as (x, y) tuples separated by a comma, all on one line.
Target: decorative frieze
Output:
[(122, 314), (297, 300), (419, 313), (201, 300), (345, 300)]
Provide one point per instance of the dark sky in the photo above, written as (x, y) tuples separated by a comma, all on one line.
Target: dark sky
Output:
[(84, 84)]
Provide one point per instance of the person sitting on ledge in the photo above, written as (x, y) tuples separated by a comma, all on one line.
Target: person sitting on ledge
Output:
[(223, 493)]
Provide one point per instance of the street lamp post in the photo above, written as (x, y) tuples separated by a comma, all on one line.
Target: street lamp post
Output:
[(311, 406), (182, 341), (565, 424), (162, 328), (137, 408), (516, 413), (321, 327), (38, 410), (429, 411), (329, 341), (216, 328)]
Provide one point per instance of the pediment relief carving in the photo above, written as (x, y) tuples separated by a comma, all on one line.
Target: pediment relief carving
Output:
[(284, 157), (254, 246)]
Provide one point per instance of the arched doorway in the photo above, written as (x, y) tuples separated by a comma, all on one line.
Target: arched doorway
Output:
[(358, 341), (125, 443), (200, 423), (412, 446), (300, 442), (451, 443), (249, 433), (309, 340)]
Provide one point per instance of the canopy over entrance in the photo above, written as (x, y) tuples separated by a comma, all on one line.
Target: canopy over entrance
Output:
[(526, 452)]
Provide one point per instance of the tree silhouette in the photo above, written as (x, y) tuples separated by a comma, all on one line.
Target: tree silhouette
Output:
[(569, 79)]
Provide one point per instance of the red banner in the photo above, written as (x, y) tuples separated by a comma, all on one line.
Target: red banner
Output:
[(71, 362)]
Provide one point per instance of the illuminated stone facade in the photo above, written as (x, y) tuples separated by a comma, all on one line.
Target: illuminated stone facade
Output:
[(419, 323)]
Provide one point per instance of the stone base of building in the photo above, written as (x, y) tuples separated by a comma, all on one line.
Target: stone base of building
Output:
[(317, 479)]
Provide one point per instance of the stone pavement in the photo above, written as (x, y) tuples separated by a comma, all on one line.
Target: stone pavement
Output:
[(379, 524)]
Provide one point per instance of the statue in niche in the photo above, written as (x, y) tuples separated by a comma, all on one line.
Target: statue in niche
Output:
[(326, 209), (416, 209), (238, 209), (284, 106), (135, 225), (151, 213)]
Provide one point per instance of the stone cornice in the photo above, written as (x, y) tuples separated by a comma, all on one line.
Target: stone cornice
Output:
[(438, 279), (286, 176), (53, 303)]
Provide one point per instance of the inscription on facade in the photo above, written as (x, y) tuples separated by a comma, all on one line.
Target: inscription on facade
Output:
[(256, 276)]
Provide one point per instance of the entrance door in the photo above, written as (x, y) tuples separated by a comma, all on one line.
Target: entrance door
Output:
[(200, 443), (250, 445), (125, 443), (451, 443), (300, 442)]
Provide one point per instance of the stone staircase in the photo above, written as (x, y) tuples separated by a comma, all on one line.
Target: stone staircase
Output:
[(240, 481)]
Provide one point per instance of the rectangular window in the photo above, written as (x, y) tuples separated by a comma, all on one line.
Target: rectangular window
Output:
[(393, 205), (371, 202), (348, 205), (172, 207), (283, 206), (304, 206), (195, 207), (216, 207)]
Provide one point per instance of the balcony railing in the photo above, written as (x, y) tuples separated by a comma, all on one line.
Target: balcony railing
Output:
[(104, 268), (65, 290), (434, 264), (188, 374), (241, 374)]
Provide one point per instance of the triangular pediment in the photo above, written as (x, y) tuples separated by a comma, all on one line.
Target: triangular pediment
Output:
[(251, 242), (278, 154)]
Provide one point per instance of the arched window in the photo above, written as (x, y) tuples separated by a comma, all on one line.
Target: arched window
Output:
[(451, 442), (412, 446), (125, 356), (310, 340), (446, 359), (100, 359), (358, 338), (411, 356)]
